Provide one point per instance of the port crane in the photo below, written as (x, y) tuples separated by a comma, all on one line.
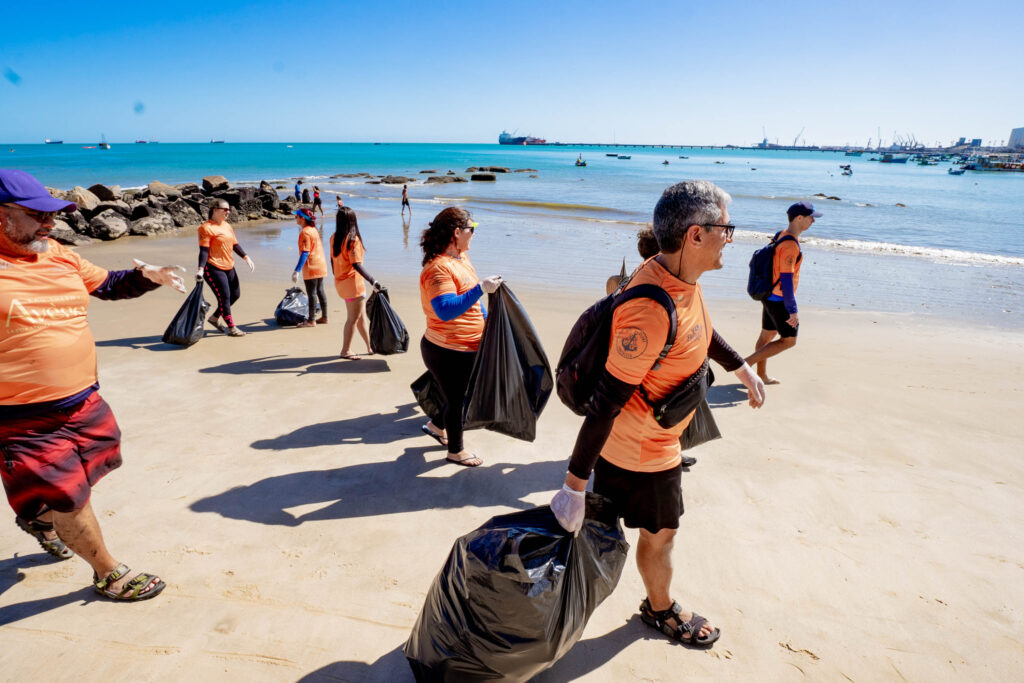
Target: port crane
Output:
[(797, 138)]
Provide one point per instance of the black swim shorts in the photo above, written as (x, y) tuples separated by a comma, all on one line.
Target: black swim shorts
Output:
[(644, 500), (774, 316)]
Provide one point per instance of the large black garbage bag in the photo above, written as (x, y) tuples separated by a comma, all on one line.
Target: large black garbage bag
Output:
[(430, 397), (387, 331), (511, 379), (186, 326), (702, 428), (515, 595), (294, 308)]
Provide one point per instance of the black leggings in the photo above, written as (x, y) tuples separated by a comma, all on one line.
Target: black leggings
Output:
[(316, 285), (224, 284), (451, 370)]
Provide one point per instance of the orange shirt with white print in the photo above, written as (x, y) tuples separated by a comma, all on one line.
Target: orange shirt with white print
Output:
[(347, 281), (447, 275), (315, 266), (787, 260), (47, 351), (220, 239), (639, 328)]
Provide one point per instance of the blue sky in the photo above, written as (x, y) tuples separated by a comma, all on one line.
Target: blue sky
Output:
[(645, 72)]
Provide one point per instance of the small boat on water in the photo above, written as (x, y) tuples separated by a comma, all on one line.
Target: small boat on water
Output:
[(625, 156), (853, 153), (894, 158), (216, 142), (53, 142), (141, 142), (612, 154), (956, 171), (682, 157), (103, 142), (580, 161)]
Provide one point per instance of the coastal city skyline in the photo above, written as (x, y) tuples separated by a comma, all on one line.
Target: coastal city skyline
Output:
[(729, 74)]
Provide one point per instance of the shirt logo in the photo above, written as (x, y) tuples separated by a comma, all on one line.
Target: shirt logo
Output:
[(630, 342), (694, 332)]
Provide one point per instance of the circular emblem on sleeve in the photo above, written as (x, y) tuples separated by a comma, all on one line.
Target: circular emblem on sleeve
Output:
[(630, 342)]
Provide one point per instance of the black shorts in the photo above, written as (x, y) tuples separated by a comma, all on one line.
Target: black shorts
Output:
[(405, 202), (774, 316), (644, 500)]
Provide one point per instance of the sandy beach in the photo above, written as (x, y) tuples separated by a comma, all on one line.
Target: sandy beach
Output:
[(864, 525)]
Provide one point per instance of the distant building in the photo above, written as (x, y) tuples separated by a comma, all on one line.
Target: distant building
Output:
[(1016, 138)]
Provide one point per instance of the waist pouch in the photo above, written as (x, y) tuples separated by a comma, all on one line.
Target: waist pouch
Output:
[(683, 400)]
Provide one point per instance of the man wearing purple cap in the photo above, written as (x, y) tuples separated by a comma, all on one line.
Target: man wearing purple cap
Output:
[(779, 311), (57, 436)]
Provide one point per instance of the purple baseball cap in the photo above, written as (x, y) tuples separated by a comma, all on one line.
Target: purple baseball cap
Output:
[(802, 209), (18, 187)]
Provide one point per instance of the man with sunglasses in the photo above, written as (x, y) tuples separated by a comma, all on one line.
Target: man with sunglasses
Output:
[(635, 460), (57, 436), (779, 314)]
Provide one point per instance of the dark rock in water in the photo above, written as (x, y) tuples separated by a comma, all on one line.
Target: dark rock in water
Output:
[(472, 169), (494, 169), (188, 188), (532, 175), (152, 225), (159, 189), (108, 225), (63, 233), (215, 183), (87, 201), (835, 199), (441, 179), (183, 214), (902, 205), (106, 194), (483, 176), (397, 180), (820, 194), (144, 209), (117, 205), (373, 182), (526, 170), (434, 171), (450, 172), (280, 187), (266, 187), (268, 200)]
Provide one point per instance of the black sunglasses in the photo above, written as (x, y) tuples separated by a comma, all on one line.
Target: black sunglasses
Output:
[(727, 228)]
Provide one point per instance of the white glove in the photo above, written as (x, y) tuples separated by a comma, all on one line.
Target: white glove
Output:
[(162, 275), (295, 277), (248, 262), (569, 506), (199, 274), (754, 385), (377, 286), (490, 285)]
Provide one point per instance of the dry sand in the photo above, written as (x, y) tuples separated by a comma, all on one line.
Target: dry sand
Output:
[(865, 524)]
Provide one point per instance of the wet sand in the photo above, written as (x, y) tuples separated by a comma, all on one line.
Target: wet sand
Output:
[(864, 524)]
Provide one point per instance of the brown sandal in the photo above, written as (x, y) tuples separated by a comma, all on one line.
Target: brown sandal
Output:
[(684, 631), (139, 587)]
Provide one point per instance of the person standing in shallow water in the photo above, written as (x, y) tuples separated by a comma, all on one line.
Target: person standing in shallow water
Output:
[(317, 202), (347, 263), (405, 200), (450, 295), (217, 264), (312, 267)]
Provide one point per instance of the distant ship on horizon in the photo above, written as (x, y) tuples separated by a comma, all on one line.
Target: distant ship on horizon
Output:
[(507, 138), (53, 142)]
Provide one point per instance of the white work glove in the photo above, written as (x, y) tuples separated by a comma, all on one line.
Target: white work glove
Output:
[(295, 277), (248, 262), (754, 385), (569, 506), (490, 285), (162, 275), (199, 275)]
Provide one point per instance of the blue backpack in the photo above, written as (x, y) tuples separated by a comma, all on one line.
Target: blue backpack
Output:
[(760, 282)]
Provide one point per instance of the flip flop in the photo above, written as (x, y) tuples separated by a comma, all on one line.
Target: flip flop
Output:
[(465, 462), (349, 356), (434, 435)]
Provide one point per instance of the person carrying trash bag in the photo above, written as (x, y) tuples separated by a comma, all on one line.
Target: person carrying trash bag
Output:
[(450, 296), (634, 455), (311, 267), (515, 595), (186, 327), (347, 254), (511, 379), (217, 265)]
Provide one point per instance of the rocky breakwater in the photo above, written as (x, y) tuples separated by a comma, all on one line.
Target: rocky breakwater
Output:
[(106, 212)]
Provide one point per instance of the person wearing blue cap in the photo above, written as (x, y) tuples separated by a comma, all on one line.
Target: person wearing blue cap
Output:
[(57, 435), (779, 314)]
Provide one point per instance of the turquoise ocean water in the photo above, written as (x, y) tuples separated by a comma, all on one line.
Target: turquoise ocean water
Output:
[(955, 248)]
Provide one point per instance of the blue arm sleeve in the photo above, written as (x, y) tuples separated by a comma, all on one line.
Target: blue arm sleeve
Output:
[(788, 295), (451, 306), (302, 261)]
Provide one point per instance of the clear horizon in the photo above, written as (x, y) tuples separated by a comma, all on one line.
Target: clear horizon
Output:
[(463, 72)]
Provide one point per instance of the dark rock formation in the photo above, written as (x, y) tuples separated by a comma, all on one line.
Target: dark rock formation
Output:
[(472, 169), (76, 221), (494, 169), (215, 183), (63, 233), (105, 193), (87, 201), (159, 189), (397, 180), (436, 179), (152, 225), (116, 205), (428, 172), (108, 225), (183, 214), (189, 188), (525, 170), (483, 176)]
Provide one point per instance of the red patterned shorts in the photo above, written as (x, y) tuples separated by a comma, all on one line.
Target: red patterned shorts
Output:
[(52, 461)]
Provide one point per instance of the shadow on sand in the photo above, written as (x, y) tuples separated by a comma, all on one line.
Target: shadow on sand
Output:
[(292, 365), (377, 428), (726, 395), (11, 575)]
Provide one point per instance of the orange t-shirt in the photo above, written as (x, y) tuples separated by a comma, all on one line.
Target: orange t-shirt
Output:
[(47, 351), (787, 260), (447, 275), (639, 328), (315, 266), (220, 238), (347, 281)]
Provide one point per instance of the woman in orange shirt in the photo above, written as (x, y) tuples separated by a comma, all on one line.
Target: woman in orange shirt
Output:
[(311, 267), (347, 263), (450, 295), (216, 263)]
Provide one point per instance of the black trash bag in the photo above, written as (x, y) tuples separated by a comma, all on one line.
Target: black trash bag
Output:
[(702, 428), (294, 308), (186, 326), (511, 378), (430, 397), (515, 595), (387, 331)]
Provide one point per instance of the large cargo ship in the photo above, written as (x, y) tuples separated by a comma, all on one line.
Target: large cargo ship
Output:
[(507, 138)]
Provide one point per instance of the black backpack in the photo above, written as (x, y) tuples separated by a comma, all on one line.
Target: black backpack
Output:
[(760, 282), (586, 349)]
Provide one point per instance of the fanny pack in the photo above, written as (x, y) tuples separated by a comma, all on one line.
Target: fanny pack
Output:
[(682, 400)]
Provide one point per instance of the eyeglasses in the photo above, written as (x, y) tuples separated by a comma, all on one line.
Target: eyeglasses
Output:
[(471, 227), (222, 208), (727, 228), (37, 216)]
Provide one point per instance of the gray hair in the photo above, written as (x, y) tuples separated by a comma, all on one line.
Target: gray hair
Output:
[(217, 203), (691, 202)]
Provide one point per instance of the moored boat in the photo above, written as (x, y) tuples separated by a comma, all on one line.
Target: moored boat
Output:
[(507, 138)]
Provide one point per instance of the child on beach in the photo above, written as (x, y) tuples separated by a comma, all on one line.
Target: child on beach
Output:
[(347, 263), (311, 266)]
